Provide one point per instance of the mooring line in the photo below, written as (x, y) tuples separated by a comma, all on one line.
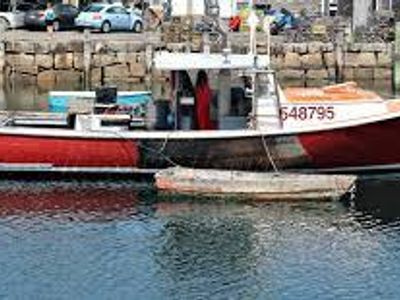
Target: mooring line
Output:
[(139, 144), (269, 155)]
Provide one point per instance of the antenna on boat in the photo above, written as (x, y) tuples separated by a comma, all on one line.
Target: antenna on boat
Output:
[(252, 22)]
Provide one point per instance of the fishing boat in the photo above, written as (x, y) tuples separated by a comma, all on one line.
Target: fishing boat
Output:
[(235, 116)]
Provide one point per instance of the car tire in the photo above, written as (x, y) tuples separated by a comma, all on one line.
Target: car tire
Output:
[(106, 27), (137, 27), (56, 25), (4, 24)]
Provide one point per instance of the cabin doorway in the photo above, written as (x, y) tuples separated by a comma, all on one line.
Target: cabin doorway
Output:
[(204, 100)]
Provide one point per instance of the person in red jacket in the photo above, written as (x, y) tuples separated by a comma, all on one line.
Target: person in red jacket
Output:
[(203, 96), (234, 23)]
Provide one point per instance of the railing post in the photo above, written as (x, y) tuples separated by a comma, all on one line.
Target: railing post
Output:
[(2, 54), (339, 54), (396, 59), (87, 58)]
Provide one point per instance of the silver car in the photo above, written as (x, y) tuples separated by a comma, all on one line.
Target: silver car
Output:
[(108, 17), (11, 20)]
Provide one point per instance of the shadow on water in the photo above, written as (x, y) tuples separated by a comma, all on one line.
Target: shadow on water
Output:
[(378, 197)]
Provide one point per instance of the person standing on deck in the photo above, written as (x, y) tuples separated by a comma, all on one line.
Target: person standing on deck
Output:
[(203, 95)]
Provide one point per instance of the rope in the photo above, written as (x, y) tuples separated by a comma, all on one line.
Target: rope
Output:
[(158, 152), (269, 155), (9, 117)]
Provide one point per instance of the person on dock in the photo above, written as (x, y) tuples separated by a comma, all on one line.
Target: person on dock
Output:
[(234, 23), (49, 17)]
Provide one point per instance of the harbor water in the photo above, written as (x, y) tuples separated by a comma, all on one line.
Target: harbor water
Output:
[(120, 239)]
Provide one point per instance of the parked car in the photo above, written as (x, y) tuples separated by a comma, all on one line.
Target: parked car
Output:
[(26, 6), (11, 19), (108, 17), (64, 17)]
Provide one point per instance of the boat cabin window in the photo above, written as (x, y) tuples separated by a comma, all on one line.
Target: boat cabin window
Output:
[(205, 101)]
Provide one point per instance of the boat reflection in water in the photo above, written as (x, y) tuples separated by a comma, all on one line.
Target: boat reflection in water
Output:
[(73, 200), (105, 200)]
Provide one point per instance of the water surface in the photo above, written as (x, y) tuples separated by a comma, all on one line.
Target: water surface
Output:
[(120, 240)]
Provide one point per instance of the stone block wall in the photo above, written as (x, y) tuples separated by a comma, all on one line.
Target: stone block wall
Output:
[(311, 6), (52, 64), (114, 62), (319, 61)]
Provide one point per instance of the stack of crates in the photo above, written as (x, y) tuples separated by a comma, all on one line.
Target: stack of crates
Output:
[(180, 30)]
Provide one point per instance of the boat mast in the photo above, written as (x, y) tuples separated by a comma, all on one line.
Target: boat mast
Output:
[(252, 22), (264, 87)]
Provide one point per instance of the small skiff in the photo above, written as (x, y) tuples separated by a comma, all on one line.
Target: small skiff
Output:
[(254, 185)]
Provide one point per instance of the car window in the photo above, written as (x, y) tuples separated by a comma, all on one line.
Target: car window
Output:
[(94, 8), (65, 9), (111, 10), (40, 7), (58, 8), (116, 10), (73, 10), (69, 9), (120, 10), (24, 7)]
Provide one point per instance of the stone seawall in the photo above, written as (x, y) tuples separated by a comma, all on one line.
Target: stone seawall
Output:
[(318, 61), (49, 63)]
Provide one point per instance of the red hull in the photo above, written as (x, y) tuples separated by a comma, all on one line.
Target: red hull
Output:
[(375, 144), (68, 152)]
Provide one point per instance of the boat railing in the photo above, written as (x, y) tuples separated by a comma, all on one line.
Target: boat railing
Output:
[(79, 121), (34, 119)]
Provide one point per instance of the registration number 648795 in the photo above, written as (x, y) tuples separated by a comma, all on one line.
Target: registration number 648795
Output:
[(303, 113)]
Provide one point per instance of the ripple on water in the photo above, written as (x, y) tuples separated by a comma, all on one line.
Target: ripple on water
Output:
[(111, 240)]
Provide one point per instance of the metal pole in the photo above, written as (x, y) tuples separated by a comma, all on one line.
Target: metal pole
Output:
[(396, 59), (189, 8), (361, 13), (269, 41), (13, 6), (325, 7), (252, 23), (87, 59)]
